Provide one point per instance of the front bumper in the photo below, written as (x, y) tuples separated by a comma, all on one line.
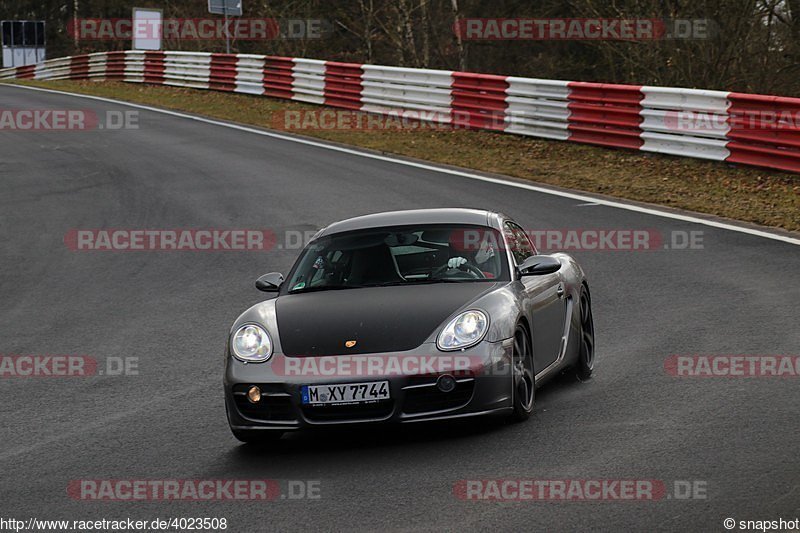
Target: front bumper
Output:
[(482, 387)]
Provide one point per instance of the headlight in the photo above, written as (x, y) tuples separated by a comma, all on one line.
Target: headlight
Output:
[(251, 343), (465, 330)]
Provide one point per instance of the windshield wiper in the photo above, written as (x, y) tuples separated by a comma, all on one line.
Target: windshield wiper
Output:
[(383, 284), (325, 288), (420, 282)]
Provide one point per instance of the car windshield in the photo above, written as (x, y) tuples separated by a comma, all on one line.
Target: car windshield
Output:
[(401, 256)]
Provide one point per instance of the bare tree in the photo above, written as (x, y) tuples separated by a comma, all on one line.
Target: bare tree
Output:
[(462, 56)]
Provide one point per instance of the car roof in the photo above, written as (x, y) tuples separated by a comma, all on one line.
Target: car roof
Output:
[(471, 217)]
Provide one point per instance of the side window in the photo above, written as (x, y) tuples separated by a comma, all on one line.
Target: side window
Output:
[(521, 247), (511, 240), (523, 236)]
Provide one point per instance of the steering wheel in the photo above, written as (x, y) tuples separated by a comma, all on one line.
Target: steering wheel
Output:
[(445, 271)]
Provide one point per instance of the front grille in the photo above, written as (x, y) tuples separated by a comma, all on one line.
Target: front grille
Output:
[(325, 413), (428, 398), (275, 405)]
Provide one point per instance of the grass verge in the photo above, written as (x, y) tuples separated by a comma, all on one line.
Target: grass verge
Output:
[(747, 194)]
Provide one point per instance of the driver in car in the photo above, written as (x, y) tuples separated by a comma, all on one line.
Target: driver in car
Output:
[(481, 258)]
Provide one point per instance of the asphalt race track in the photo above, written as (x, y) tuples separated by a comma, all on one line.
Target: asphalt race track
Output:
[(739, 294)]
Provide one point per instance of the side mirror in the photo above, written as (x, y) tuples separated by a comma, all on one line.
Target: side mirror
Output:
[(270, 282), (537, 265)]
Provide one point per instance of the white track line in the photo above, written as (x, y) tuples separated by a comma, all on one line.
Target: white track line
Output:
[(433, 168)]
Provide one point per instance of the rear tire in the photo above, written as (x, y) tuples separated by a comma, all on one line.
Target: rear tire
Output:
[(585, 365), (523, 379)]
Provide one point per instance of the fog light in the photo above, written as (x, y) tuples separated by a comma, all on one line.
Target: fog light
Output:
[(446, 383), (254, 394)]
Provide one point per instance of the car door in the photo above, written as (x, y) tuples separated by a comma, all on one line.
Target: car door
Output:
[(544, 301)]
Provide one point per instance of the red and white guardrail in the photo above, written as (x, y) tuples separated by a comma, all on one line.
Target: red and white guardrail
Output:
[(718, 125)]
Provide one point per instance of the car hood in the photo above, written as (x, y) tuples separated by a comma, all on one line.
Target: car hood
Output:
[(379, 319)]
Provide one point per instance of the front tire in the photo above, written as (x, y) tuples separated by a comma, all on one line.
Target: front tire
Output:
[(523, 377), (585, 365)]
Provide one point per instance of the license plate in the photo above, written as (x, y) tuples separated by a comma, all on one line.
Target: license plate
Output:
[(343, 393)]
